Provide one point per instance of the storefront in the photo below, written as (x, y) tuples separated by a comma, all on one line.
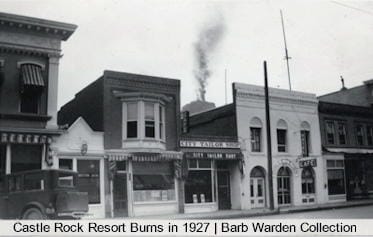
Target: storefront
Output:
[(81, 149), (144, 183), (212, 174)]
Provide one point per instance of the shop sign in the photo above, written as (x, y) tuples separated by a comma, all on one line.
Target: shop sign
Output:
[(211, 155), (209, 144), (307, 163)]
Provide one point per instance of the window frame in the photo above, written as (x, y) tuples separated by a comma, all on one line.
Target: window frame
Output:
[(330, 131), (255, 139), (306, 150), (363, 131), (338, 168), (285, 145)]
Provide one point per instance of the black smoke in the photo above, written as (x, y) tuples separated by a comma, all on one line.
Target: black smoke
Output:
[(208, 39)]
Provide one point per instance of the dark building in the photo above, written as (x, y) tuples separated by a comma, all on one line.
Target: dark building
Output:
[(30, 49), (140, 120), (346, 122), (212, 160)]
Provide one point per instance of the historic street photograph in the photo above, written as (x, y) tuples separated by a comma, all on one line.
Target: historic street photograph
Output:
[(171, 109)]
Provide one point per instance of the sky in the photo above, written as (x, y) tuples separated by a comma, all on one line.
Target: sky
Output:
[(326, 40)]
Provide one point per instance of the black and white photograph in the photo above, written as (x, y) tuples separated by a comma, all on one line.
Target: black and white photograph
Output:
[(154, 110)]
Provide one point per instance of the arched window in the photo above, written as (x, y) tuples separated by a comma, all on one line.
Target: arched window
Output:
[(282, 136), (283, 186), (308, 181), (256, 134), (305, 138), (257, 187)]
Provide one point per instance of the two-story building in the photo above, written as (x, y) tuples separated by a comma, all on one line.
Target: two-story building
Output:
[(346, 124), (297, 164), (139, 117), (30, 50)]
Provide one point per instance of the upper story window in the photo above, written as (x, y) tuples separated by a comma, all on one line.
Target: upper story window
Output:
[(281, 136), (305, 139), (342, 133), (132, 118), (149, 120), (256, 135), (370, 135), (32, 85), (330, 132), (360, 135)]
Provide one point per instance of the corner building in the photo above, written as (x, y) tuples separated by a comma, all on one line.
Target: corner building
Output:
[(139, 117), (297, 164), (30, 51)]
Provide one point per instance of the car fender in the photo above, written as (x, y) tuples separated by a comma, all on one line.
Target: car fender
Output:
[(33, 204)]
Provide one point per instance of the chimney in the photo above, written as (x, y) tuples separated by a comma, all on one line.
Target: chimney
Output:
[(343, 84)]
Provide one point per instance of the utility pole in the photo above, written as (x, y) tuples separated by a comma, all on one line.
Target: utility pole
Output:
[(225, 85), (286, 49), (269, 142)]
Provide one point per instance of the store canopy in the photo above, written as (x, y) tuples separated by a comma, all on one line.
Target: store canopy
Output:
[(351, 150), (31, 75), (144, 156)]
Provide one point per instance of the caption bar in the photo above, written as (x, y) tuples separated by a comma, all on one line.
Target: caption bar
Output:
[(189, 227)]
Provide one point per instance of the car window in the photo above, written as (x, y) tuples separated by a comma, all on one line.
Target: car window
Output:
[(14, 183), (65, 180), (33, 182), (2, 184)]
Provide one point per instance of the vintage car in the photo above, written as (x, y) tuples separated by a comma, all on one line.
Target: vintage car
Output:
[(41, 194)]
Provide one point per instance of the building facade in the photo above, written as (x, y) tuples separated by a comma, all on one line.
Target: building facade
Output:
[(346, 124), (140, 120), (297, 164), (30, 50), (212, 160)]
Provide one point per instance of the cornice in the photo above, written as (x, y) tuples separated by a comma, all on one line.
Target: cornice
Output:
[(49, 28), (294, 100), (25, 50)]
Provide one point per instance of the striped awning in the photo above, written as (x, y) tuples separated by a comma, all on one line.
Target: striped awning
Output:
[(31, 75), (145, 156)]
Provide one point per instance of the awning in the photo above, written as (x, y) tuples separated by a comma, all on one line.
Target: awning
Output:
[(31, 75), (351, 150), (216, 154), (145, 156)]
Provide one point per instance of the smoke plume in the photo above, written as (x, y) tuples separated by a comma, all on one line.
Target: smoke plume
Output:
[(208, 39)]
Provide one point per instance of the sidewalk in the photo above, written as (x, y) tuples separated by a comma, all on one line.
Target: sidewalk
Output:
[(231, 214)]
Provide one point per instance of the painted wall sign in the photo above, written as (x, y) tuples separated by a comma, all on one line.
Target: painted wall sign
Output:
[(212, 155), (209, 144), (307, 163)]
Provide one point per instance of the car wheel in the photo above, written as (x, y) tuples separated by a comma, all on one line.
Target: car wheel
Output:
[(33, 213)]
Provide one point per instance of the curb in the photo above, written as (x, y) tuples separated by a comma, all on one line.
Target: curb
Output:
[(326, 207)]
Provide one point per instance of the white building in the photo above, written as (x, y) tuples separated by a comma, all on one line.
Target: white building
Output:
[(298, 167)]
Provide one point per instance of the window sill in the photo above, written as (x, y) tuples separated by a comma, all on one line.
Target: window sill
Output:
[(155, 202), (26, 116)]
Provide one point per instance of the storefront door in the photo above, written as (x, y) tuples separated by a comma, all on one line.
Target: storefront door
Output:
[(224, 192), (356, 179), (120, 195), (283, 186), (257, 192)]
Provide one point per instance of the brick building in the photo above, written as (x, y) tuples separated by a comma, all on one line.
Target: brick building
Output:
[(30, 50), (346, 123), (139, 117)]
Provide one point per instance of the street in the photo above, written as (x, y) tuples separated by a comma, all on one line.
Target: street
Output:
[(349, 212)]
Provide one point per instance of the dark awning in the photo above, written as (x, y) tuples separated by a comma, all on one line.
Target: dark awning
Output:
[(31, 75)]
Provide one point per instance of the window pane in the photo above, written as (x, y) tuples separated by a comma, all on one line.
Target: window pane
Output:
[(149, 129), (281, 140), (305, 142), (370, 135), (2, 159), (192, 163), (121, 165), (198, 186), (204, 163), (336, 182), (65, 180), (33, 182), (132, 129), (89, 179), (26, 157), (255, 139), (330, 132), (30, 100), (66, 164), (330, 163), (360, 135), (342, 133), (132, 111), (149, 111)]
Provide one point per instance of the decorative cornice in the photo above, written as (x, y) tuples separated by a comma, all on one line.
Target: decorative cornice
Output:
[(31, 51), (141, 95), (41, 26)]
